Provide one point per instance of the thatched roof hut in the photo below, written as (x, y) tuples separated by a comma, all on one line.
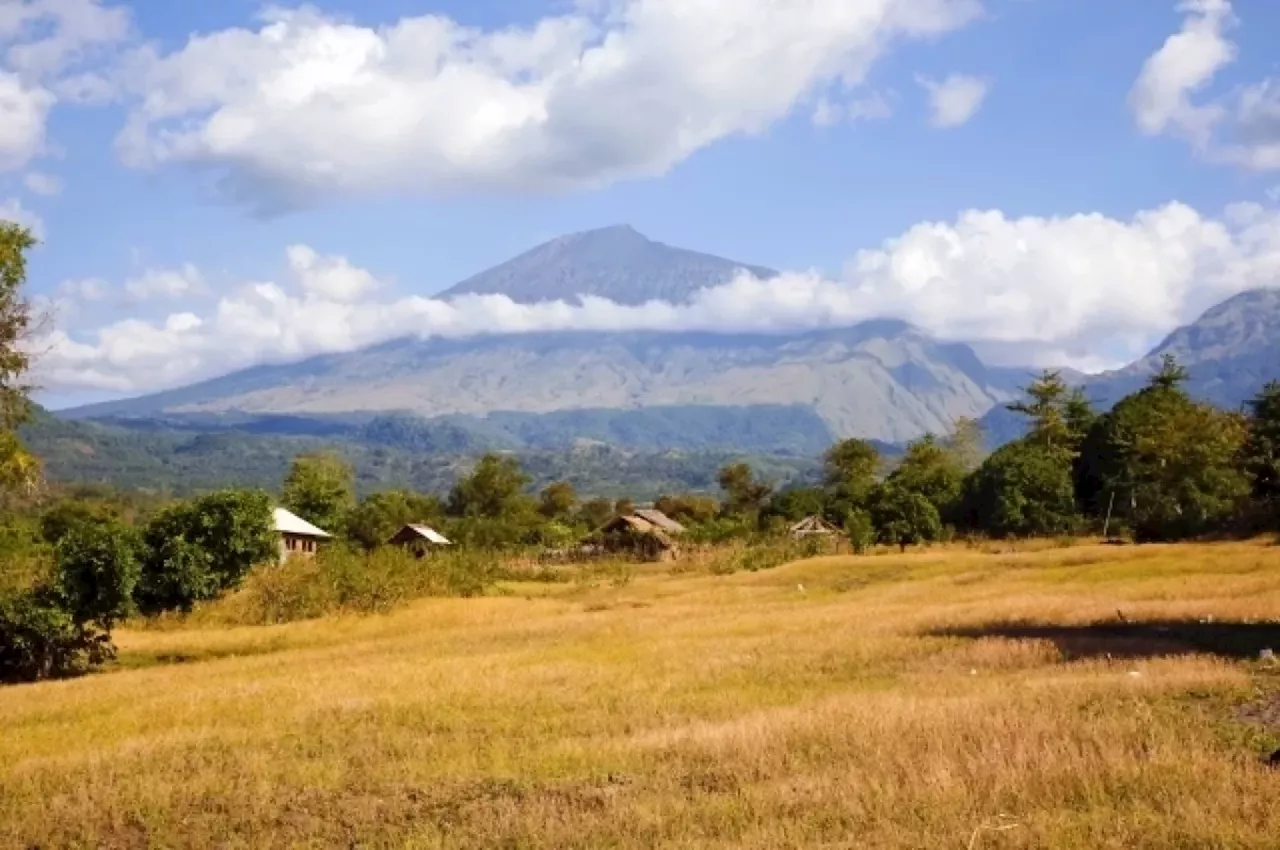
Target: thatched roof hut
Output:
[(813, 525), (650, 537)]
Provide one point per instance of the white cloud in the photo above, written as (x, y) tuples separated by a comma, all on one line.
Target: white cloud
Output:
[(308, 106), (41, 42), (23, 110), (85, 289), (13, 210), (1027, 290), (39, 183), (953, 101), (1184, 64), (46, 36), (1241, 127), (329, 277), (166, 284), (872, 107)]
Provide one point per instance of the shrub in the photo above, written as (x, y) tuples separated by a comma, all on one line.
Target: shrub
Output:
[(40, 639), (197, 550), (97, 569)]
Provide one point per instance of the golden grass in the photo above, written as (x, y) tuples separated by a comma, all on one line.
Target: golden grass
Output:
[(807, 706)]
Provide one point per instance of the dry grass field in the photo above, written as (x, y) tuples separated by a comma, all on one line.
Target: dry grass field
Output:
[(1085, 697)]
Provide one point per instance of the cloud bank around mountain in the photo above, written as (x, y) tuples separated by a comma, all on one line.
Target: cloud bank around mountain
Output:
[(1083, 290)]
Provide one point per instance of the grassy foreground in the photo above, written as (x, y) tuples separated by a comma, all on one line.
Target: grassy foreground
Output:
[(949, 698)]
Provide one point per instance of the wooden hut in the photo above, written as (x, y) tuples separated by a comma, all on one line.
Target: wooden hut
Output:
[(649, 537), (418, 539), (297, 536), (812, 526)]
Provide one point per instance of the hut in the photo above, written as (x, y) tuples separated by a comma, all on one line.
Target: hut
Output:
[(812, 526), (649, 534), (297, 536), (418, 539)]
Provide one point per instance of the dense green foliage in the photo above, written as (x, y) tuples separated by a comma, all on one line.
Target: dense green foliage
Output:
[(320, 488), (196, 550)]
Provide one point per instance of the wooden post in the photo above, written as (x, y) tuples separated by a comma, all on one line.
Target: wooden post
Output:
[(1107, 522)]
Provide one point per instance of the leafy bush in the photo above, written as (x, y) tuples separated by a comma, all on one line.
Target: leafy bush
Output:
[(97, 569), (197, 550), (340, 580), (40, 639)]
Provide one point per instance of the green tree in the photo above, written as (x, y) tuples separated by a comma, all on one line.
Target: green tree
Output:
[(1045, 406), (689, 509), (1022, 489), (850, 468), (595, 513), (320, 488), (557, 500), (860, 529), (966, 444), (930, 469), (59, 520), (624, 507), (18, 468), (904, 517), (796, 503), (1260, 455), (493, 490), (195, 551), (1166, 463), (380, 515), (97, 570), (744, 494)]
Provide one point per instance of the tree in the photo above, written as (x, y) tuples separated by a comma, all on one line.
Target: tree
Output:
[(930, 469), (1260, 455), (796, 503), (1166, 463), (1046, 405), (59, 520), (745, 495), (903, 517), (197, 550), (380, 515), (1022, 489), (850, 468), (861, 530), (596, 513), (966, 444), (557, 500), (624, 507), (320, 488), (97, 569), (18, 468), (493, 490), (690, 509)]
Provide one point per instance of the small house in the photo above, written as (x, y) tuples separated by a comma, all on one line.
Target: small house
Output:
[(812, 526), (648, 534), (297, 536), (418, 539)]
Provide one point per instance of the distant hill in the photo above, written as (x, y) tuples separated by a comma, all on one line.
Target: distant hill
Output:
[(386, 452), (616, 263), (881, 380), (1230, 351)]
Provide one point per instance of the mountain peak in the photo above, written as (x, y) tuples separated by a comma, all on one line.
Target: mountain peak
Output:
[(617, 262)]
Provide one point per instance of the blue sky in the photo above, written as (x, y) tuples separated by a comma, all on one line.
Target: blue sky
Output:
[(790, 135)]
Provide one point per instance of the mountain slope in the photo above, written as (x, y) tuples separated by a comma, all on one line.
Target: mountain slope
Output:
[(1230, 352), (617, 263), (882, 380)]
